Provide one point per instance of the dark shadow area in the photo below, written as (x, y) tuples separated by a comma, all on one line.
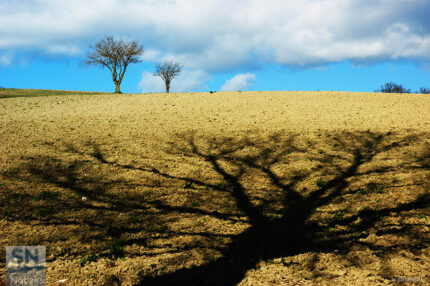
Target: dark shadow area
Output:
[(289, 195), (293, 232)]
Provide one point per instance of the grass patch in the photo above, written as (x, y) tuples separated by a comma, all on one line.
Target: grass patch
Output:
[(17, 92), (88, 259), (340, 213), (116, 250)]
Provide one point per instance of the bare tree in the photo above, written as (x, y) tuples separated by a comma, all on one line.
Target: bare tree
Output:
[(425, 90), (167, 71), (116, 55), (391, 87)]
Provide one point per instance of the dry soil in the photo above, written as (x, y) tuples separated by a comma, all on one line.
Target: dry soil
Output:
[(248, 188)]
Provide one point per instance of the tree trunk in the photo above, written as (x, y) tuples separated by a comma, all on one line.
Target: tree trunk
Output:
[(167, 87), (117, 90)]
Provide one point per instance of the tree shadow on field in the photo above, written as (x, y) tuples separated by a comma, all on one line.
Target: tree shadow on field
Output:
[(293, 229), (284, 194)]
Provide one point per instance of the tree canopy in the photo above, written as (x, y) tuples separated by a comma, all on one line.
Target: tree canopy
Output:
[(116, 55), (167, 71)]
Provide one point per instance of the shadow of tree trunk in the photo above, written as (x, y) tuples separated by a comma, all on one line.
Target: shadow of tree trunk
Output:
[(283, 187), (293, 233)]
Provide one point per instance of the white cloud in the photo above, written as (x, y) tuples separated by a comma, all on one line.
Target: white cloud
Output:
[(70, 50), (238, 82), (151, 83), (151, 55), (186, 81), (216, 35), (6, 58), (190, 81)]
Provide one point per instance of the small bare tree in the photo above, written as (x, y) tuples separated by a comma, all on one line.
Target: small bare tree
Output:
[(391, 87), (116, 55), (167, 71)]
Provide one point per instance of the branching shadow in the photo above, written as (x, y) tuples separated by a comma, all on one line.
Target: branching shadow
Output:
[(280, 192), (294, 231)]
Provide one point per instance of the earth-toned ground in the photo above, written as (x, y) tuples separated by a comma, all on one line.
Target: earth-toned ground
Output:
[(248, 188)]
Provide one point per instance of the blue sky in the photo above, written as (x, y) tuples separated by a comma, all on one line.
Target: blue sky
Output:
[(344, 45)]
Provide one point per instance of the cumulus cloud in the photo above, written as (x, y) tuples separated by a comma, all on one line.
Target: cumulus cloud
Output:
[(186, 81), (218, 35), (151, 83), (151, 55), (238, 82)]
